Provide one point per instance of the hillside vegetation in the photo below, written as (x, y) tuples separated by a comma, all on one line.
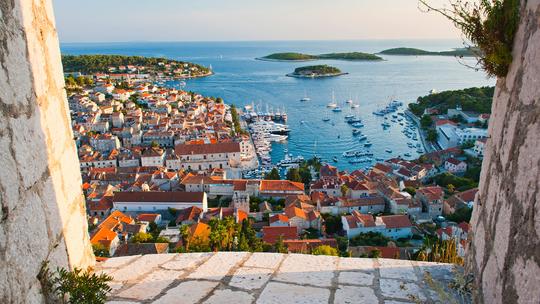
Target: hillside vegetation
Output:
[(101, 63), (337, 56), (419, 52), (317, 70), (470, 99)]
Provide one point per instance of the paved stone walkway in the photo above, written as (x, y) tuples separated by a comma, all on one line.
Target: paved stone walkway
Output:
[(241, 277)]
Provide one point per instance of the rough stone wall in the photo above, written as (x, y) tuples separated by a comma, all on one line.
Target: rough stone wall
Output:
[(505, 254), (42, 214)]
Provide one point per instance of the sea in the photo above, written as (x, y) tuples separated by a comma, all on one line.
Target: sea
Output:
[(242, 80)]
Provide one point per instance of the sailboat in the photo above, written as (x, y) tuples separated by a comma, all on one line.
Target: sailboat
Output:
[(333, 104), (350, 100), (305, 98)]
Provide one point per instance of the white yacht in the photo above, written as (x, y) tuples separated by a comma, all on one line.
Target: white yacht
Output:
[(305, 98), (332, 104)]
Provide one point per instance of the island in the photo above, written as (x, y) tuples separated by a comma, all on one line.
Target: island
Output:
[(151, 67), (290, 56), (316, 71), (460, 52)]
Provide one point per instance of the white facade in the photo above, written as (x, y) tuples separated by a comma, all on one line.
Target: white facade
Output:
[(148, 205)]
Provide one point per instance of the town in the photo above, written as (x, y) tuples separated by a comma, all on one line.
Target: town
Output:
[(163, 171)]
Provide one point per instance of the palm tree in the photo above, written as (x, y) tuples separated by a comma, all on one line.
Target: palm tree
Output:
[(184, 232)]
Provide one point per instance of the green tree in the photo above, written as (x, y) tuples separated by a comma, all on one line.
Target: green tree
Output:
[(305, 174), (272, 175), (293, 175), (184, 233), (426, 121), (142, 237), (369, 239), (344, 190), (325, 250), (375, 253), (279, 246), (218, 234), (432, 135), (461, 215), (332, 223), (410, 190), (100, 250)]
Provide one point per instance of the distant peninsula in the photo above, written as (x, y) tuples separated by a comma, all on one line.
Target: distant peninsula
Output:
[(316, 71), (151, 66), (460, 52), (353, 56)]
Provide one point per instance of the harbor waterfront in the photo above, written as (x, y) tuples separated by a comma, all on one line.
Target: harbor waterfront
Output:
[(316, 129)]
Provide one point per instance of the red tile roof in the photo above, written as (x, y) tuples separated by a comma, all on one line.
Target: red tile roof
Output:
[(281, 185), (272, 234), (156, 196), (278, 217), (184, 149), (148, 217), (396, 221)]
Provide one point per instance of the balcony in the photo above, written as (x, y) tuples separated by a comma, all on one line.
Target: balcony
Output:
[(243, 277)]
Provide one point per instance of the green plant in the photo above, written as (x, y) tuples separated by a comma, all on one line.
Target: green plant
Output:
[(73, 287), (100, 250), (490, 25), (325, 250), (440, 251)]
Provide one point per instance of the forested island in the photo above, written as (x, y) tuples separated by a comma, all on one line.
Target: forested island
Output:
[(471, 99), (152, 66), (316, 71), (460, 52), (354, 56)]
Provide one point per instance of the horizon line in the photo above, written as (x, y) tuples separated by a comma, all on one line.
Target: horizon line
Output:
[(268, 40)]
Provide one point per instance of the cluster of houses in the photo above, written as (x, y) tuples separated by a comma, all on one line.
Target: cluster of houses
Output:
[(452, 134), (152, 155)]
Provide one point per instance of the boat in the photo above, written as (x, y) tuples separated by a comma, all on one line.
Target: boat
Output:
[(357, 125), (332, 104), (353, 120), (335, 159), (385, 125), (388, 151), (354, 106), (407, 154), (349, 153), (305, 98), (356, 132), (337, 109), (349, 116), (368, 144), (362, 138), (277, 137)]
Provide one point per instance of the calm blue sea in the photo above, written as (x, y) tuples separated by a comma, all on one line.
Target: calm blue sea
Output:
[(240, 79)]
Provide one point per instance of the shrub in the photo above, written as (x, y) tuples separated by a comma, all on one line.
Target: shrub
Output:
[(490, 26), (74, 287), (325, 250)]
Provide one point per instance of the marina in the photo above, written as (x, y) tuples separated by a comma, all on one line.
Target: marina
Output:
[(243, 81)]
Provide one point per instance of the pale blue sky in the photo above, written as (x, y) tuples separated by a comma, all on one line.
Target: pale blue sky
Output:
[(218, 20)]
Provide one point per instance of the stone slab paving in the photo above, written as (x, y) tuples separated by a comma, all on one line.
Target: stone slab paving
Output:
[(263, 278)]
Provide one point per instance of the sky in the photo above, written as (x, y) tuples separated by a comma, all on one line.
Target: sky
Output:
[(247, 20)]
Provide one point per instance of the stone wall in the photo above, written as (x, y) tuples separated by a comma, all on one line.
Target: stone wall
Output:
[(505, 254), (42, 214)]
